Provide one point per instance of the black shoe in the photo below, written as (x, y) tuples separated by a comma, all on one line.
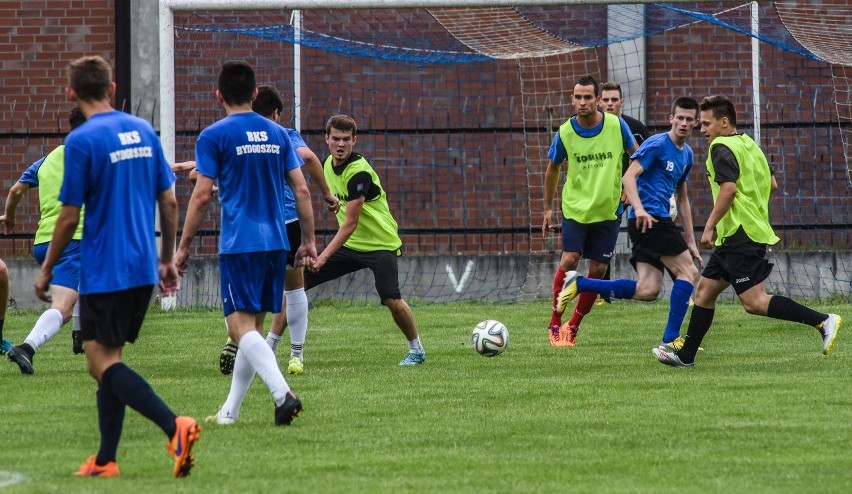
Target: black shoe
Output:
[(288, 410), (76, 342), (24, 359)]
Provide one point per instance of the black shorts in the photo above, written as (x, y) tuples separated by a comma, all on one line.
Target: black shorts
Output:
[(742, 264), (664, 239), (114, 318), (294, 237), (383, 264)]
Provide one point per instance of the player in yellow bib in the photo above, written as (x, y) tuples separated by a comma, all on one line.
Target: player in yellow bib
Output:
[(46, 175), (592, 143), (739, 232), (367, 237)]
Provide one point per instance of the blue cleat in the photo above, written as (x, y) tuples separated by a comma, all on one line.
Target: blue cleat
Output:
[(413, 357), (5, 346)]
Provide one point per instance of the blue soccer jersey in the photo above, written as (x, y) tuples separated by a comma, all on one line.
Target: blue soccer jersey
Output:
[(249, 155), (665, 167), (289, 200), (115, 166)]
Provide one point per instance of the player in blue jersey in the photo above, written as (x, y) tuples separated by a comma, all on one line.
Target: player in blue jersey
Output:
[(46, 175), (658, 169), (592, 144), (294, 309), (253, 161), (114, 165)]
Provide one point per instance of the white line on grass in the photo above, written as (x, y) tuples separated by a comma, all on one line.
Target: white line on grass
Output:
[(10, 478)]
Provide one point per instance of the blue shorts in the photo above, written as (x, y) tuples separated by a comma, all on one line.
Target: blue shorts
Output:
[(595, 241), (252, 282), (66, 271)]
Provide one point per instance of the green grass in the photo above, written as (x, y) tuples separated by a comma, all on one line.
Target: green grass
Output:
[(763, 411)]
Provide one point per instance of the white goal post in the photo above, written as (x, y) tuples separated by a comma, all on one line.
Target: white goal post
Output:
[(168, 7)]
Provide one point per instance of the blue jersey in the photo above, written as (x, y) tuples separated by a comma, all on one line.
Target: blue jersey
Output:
[(115, 166), (249, 155), (666, 167), (289, 200)]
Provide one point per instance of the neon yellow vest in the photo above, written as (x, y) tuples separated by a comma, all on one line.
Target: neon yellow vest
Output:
[(592, 189), (376, 230), (50, 175), (750, 208)]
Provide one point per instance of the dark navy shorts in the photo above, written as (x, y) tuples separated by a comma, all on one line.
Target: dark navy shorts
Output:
[(114, 318), (595, 241)]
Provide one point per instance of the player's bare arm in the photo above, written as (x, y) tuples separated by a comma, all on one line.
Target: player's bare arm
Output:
[(195, 212), (347, 228), (644, 221), (685, 209), (16, 193), (727, 193), (167, 205), (307, 251), (551, 176), (314, 168)]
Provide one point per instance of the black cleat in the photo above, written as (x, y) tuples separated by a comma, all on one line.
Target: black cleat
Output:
[(24, 359), (288, 410), (76, 342)]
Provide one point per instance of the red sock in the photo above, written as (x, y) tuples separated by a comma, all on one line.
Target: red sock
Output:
[(558, 280), (585, 302)]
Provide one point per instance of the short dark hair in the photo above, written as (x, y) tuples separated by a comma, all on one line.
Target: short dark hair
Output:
[(90, 78), (721, 107), (237, 82), (76, 118), (268, 100), (611, 86), (588, 80), (686, 103), (343, 123)]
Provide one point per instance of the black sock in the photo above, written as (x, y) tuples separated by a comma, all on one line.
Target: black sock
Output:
[(1, 328), (110, 422), (699, 323), (132, 390), (789, 310)]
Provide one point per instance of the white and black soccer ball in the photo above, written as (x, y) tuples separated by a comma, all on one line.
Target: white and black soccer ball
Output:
[(490, 338)]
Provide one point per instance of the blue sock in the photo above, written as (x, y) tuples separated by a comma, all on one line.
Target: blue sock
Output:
[(620, 288), (679, 304)]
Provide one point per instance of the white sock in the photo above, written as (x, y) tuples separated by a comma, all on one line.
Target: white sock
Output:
[(45, 328), (263, 360), (240, 383), (415, 345), (272, 340), (297, 320), (75, 315)]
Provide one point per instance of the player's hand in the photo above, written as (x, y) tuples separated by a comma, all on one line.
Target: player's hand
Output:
[(644, 221), (42, 285), (693, 251), (546, 226), (8, 223), (332, 203), (318, 263), (169, 281), (708, 239), (181, 261), (306, 256)]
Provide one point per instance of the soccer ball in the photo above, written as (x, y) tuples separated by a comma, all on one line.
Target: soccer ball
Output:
[(490, 338)]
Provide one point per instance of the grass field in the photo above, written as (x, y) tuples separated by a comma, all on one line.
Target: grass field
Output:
[(763, 411)]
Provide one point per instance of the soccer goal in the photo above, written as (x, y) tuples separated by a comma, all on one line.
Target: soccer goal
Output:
[(457, 103)]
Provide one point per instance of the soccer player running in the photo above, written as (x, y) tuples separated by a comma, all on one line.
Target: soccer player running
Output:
[(114, 165), (294, 310), (612, 101), (592, 143), (658, 169), (367, 237), (46, 175), (253, 161), (741, 183)]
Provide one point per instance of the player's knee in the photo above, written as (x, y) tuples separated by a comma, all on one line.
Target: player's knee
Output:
[(646, 292), (4, 272)]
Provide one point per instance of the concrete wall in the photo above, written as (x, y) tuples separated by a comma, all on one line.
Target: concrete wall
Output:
[(497, 278)]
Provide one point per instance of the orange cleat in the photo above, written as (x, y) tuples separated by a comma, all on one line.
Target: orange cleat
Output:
[(180, 445), (90, 469)]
